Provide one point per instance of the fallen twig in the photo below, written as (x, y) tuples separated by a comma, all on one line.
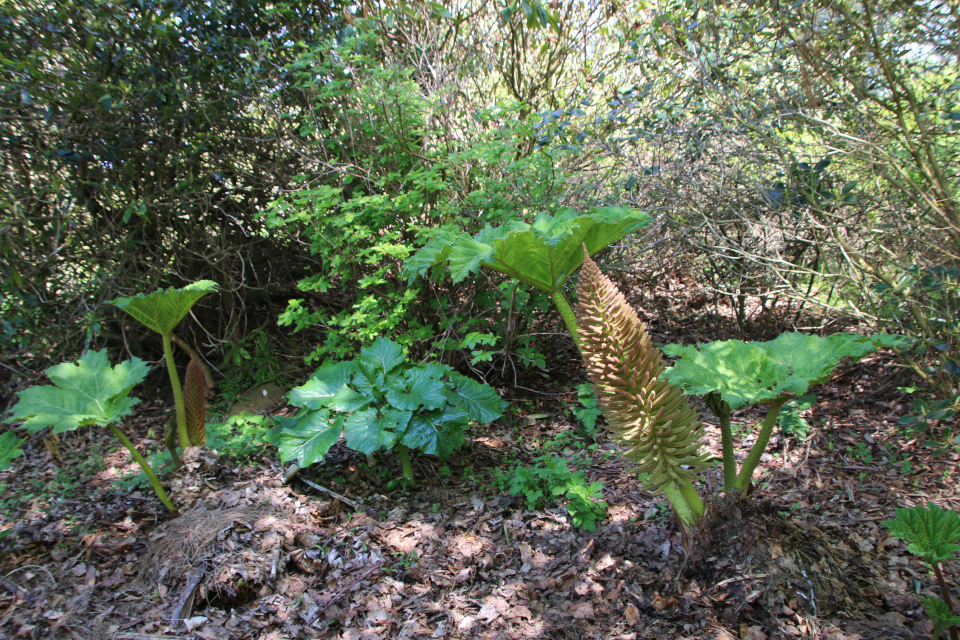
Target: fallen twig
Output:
[(356, 506)]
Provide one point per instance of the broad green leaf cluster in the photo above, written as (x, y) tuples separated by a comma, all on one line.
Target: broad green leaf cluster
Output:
[(379, 401)]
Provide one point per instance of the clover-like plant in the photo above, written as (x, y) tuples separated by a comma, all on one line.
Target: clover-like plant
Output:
[(379, 401), (162, 311), (732, 374), (86, 392), (542, 255), (932, 534), (648, 415)]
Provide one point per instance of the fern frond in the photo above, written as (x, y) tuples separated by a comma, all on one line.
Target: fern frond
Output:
[(650, 416), (195, 404)]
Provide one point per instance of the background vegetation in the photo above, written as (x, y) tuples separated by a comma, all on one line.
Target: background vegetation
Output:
[(800, 160)]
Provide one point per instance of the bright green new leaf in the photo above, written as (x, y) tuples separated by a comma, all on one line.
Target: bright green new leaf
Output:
[(542, 255), (163, 310), (9, 448), (932, 532), (308, 438), (89, 391), (746, 373), (383, 355)]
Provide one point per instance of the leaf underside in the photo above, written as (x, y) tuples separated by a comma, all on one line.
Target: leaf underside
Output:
[(543, 254), (163, 310), (89, 391), (650, 416), (746, 373)]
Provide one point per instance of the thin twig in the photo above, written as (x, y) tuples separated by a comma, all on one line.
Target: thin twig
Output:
[(356, 507)]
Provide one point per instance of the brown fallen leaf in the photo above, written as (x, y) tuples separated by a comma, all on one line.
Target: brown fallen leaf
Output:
[(662, 604), (582, 610), (632, 614), (752, 633)]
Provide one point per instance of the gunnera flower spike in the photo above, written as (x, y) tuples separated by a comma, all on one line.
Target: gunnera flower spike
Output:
[(650, 416)]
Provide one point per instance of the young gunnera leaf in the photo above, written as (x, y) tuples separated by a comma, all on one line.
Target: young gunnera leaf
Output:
[(746, 373), (932, 533), (163, 310), (89, 391), (543, 254)]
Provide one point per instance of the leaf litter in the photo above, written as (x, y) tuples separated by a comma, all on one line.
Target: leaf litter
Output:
[(805, 557)]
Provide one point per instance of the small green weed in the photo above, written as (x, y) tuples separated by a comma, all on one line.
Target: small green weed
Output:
[(549, 479), (588, 411)]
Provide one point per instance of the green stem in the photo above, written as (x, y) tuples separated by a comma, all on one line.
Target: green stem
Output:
[(405, 463), (154, 480), (566, 312), (719, 407), (766, 430), (177, 392), (686, 504)]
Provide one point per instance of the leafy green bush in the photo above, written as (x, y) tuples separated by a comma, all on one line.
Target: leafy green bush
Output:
[(379, 401), (241, 437), (550, 479), (932, 534)]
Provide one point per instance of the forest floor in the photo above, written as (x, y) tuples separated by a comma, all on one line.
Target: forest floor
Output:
[(804, 556)]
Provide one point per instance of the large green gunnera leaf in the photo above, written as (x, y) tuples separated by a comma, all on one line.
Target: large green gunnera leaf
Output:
[(163, 310), (746, 373), (89, 391), (543, 254)]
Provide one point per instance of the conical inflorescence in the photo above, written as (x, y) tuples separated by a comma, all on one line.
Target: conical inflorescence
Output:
[(195, 404), (650, 416)]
